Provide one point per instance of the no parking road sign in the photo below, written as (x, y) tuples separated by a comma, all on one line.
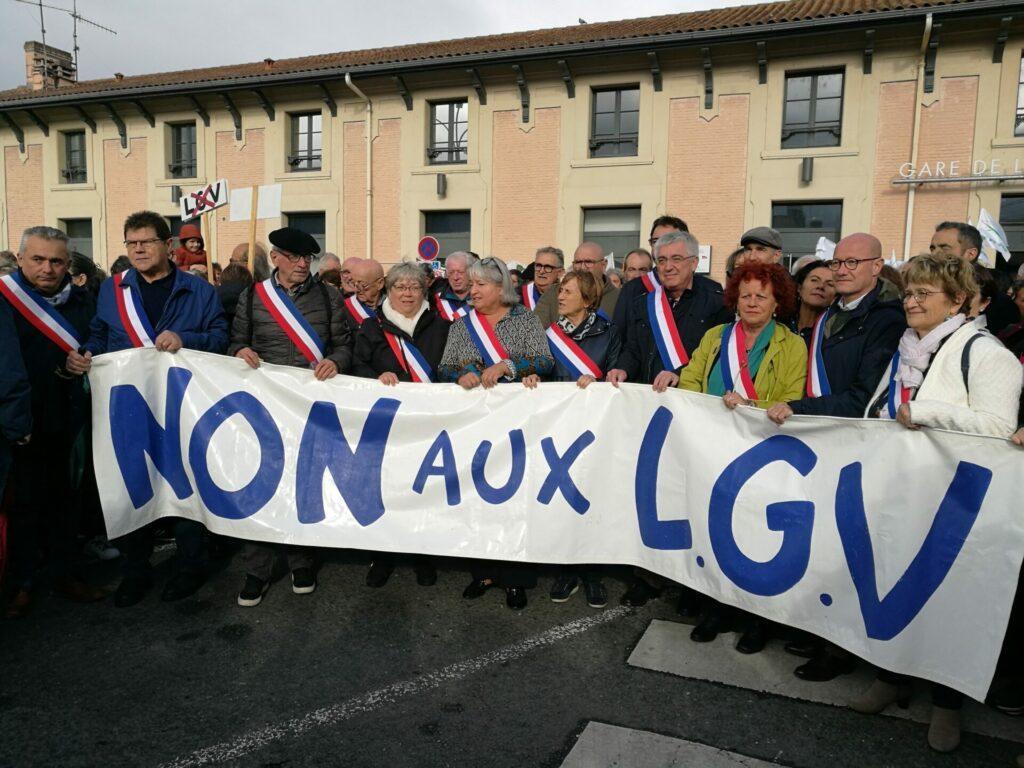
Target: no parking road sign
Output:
[(428, 248)]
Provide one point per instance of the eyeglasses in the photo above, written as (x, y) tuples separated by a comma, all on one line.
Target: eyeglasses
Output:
[(149, 243), (545, 267), (293, 258), (366, 286), (407, 288), (678, 260), (850, 264), (919, 295)]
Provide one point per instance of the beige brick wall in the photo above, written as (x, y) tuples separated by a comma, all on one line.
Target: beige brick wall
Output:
[(524, 189), (707, 173), (124, 185), (353, 196), (892, 148), (242, 167), (947, 134), (24, 191), (387, 198)]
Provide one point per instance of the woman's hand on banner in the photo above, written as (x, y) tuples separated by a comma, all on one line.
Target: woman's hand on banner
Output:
[(903, 417), (78, 363), (249, 356), (494, 373), (469, 380), (531, 381), (325, 369), (732, 399), (779, 413)]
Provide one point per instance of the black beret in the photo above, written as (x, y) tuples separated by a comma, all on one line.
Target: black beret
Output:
[(295, 241)]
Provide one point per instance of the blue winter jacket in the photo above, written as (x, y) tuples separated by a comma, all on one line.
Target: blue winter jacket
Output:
[(193, 311), (601, 343)]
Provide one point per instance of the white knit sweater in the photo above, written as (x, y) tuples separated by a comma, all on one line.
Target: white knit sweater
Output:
[(995, 378)]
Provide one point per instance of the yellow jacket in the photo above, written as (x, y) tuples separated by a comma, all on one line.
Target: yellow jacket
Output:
[(779, 379)]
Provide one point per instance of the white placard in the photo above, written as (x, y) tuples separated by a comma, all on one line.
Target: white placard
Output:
[(267, 207), (203, 200)]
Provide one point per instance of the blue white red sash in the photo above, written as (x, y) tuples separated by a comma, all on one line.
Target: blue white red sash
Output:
[(448, 310), (530, 295), (650, 280), (570, 354), (666, 333), (898, 394), (733, 362), (287, 315), (358, 310), (411, 359), (486, 340), (132, 314), (40, 313), (817, 380)]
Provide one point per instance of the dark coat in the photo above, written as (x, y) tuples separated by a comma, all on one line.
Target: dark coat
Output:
[(229, 293), (602, 343), (697, 311), (373, 355), (15, 392), (858, 346)]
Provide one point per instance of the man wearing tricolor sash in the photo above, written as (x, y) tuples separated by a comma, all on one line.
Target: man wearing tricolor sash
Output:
[(155, 305), (51, 318), (548, 268), (588, 257), (451, 295), (367, 278), (289, 319)]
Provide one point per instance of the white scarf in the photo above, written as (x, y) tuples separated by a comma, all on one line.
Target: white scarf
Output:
[(916, 353), (407, 324)]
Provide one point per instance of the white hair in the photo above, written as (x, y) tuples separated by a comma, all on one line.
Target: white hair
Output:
[(46, 233), (692, 244)]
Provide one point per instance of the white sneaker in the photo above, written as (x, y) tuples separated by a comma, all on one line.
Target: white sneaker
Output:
[(100, 548)]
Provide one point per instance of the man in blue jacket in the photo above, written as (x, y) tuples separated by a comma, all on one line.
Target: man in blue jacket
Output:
[(154, 304)]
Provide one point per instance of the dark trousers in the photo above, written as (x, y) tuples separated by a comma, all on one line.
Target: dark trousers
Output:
[(942, 696), (137, 547), (1011, 657), (259, 558), (391, 559), (41, 513), (588, 574), (505, 574)]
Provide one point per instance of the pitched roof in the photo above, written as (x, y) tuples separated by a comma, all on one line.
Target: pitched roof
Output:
[(763, 15)]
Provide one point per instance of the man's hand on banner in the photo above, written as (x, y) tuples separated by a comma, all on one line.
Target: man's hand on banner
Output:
[(585, 381), (168, 341), (779, 413), (325, 369), (665, 380), (615, 377), (389, 379), (77, 363), (249, 356)]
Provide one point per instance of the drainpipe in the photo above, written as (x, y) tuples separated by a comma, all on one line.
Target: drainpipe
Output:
[(916, 135), (369, 160)]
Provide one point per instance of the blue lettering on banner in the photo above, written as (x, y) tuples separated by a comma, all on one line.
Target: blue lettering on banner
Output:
[(794, 519), (501, 494), (442, 446), (655, 533), (247, 501), (558, 475), (356, 473), (885, 618), (135, 434)]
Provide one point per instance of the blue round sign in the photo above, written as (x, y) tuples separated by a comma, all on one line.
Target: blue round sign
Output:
[(428, 248)]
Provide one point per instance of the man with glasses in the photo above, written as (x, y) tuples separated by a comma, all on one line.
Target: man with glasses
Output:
[(633, 288), (167, 309), (259, 335), (548, 268), (451, 295), (588, 257)]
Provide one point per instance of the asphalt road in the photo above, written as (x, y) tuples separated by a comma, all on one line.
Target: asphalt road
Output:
[(400, 676)]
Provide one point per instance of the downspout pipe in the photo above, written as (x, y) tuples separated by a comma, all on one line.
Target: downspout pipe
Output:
[(369, 161), (915, 138)]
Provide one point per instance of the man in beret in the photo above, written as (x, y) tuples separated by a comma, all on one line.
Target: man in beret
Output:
[(762, 244), (258, 335)]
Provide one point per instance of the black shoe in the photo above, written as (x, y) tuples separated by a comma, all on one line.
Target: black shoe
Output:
[(825, 667), (182, 585), (1008, 699), (597, 595), (805, 649), (639, 593), (426, 575), (476, 588), (709, 627), (515, 598), (379, 573), (303, 581), (252, 592), (131, 591), (754, 639), (689, 604), (565, 586)]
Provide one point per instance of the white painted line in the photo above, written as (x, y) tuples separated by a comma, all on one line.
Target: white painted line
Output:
[(383, 697), (666, 647), (610, 746)]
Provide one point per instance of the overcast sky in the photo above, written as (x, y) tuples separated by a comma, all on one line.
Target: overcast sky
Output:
[(154, 36)]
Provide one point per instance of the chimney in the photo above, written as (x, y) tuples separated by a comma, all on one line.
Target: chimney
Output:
[(48, 67)]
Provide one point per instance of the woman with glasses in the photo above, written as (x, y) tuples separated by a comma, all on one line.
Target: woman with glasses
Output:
[(498, 342), (405, 343), (948, 373)]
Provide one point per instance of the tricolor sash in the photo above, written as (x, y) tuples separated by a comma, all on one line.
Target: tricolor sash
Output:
[(732, 362), (898, 394), (486, 340), (287, 315), (358, 310), (132, 314), (39, 312), (650, 280), (666, 333), (570, 354), (530, 295), (817, 380), (448, 310), (410, 358)]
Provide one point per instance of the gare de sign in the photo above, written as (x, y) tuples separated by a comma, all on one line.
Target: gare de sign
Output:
[(955, 169)]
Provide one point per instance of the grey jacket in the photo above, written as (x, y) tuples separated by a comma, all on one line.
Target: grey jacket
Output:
[(319, 303)]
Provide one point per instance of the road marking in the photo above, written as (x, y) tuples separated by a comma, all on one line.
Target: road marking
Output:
[(666, 647), (383, 697), (603, 746)]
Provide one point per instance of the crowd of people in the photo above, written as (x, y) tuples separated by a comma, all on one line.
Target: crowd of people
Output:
[(936, 343)]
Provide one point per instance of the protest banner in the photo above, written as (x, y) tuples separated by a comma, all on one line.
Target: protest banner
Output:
[(901, 546)]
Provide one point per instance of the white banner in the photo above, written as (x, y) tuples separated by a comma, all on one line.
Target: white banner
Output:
[(903, 547)]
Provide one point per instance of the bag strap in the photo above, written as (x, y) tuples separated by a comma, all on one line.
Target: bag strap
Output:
[(327, 308), (965, 359), (248, 302)]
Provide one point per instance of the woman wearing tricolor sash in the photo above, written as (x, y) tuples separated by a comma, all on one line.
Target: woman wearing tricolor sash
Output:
[(947, 373), (498, 341), (753, 361), (404, 343)]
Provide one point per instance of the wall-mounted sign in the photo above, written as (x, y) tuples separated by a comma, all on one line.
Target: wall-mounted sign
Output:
[(955, 170)]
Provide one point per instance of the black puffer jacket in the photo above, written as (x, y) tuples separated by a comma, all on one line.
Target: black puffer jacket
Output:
[(373, 354), (601, 343)]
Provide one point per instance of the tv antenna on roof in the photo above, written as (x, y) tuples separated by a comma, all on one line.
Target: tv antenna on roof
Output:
[(75, 17)]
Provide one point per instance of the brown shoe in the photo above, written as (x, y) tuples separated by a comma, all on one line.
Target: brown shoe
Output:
[(19, 605), (78, 591)]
